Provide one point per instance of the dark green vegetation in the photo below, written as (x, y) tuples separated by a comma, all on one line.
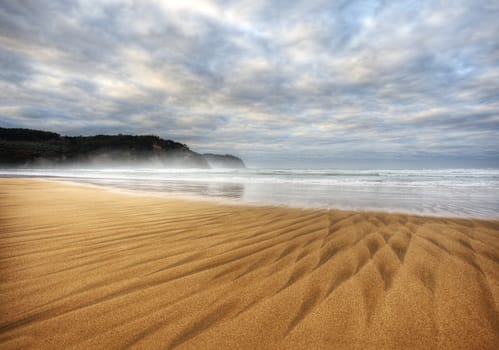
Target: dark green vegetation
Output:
[(35, 147)]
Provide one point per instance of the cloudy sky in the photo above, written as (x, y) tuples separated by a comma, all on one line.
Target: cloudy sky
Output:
[(279, 83)]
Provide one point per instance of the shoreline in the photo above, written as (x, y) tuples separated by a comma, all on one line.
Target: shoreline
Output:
[(84, 266), (218, 200)]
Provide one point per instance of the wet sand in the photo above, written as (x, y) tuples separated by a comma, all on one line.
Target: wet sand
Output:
[(88, 268)]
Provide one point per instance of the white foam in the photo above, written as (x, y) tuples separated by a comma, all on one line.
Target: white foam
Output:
[(456, 192)]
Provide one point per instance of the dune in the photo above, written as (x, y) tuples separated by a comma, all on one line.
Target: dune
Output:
[(88, 268)]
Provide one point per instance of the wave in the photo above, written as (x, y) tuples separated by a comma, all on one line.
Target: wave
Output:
[(396, 178), (456, 192)]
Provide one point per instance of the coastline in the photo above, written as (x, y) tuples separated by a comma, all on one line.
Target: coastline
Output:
[(200, 196), (88, 267)]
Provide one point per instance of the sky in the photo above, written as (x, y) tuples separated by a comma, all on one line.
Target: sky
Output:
[(322, 84)]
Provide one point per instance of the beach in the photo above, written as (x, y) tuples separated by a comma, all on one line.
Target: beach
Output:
[(84, 267)]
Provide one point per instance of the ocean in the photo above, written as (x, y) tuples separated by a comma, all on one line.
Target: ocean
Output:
[(472, 193)]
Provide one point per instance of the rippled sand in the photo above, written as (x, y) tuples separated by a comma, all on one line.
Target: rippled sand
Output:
[(87, 268)]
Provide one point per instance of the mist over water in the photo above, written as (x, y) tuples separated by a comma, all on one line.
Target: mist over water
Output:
[(454, 192)]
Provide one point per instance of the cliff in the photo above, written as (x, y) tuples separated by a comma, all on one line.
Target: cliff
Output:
[(34, 147), (224, 161)]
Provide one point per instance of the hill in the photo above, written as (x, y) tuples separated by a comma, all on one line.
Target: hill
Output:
[(224, 161), (20, 147)]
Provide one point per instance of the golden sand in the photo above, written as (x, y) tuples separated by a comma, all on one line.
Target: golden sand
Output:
[(87, 268)]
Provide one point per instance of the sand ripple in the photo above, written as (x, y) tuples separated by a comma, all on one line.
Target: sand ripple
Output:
[(87, 268)]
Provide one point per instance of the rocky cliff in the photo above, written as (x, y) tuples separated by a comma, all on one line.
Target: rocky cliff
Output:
[(224, 161)]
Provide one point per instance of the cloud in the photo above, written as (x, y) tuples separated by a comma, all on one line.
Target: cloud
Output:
[(268, 80)]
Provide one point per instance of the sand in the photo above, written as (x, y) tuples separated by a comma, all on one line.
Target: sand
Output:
[(88, 268)]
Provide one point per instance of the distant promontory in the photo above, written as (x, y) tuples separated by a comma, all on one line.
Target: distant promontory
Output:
[(27, 147)]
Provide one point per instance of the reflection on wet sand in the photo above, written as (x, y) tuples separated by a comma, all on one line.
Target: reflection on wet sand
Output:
[(205, 189), (457, 193)]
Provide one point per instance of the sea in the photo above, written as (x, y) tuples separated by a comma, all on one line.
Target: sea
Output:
[(470, 193)]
